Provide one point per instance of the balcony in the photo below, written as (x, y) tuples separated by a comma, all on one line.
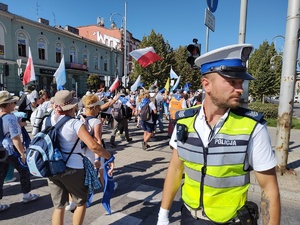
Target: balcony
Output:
[(76, 66)]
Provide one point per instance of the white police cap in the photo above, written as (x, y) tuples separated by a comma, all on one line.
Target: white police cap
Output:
[(228, 61)]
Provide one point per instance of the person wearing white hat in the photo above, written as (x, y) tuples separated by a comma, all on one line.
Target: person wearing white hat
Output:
[(15, 150), (216, 145), (72, 181)]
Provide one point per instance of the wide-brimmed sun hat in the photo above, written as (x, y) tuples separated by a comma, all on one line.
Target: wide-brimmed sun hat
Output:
[(6, 97), (64, 100)]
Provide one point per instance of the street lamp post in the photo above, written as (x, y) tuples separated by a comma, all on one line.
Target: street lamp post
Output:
[(287, 85), (124, 25), (272, 63), (273, 39)]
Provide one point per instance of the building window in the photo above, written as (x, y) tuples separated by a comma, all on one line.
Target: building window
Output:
[(85, 58), (58, 53), (42, 49), (73, 54), (22, 47), (2, 42), (2, 51), (105, 64), (96, 61)]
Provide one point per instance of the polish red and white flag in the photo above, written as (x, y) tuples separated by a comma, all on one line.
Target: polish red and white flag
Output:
[(115, 85), (29, 74), (145, 56)]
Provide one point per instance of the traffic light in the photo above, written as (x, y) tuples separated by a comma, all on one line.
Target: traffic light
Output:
[(194, 52), (5, 69), (21, 76)]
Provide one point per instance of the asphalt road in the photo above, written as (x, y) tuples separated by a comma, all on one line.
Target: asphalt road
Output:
[(140, 175)]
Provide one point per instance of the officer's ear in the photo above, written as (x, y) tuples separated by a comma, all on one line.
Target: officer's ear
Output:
[(206, 83)]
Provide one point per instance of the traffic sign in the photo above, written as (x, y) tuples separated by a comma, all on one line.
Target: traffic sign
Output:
[(209, 20), (212, 5)]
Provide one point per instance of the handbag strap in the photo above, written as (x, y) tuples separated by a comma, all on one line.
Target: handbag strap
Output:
[(72, 150)]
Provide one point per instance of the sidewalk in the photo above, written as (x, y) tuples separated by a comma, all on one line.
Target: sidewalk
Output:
[(289, 183), (140, 175)]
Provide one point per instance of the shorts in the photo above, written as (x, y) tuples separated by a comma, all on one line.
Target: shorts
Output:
[(149, 127), (70, 182)]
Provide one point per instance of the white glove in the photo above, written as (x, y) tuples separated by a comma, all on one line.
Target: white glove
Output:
[(163, 217)]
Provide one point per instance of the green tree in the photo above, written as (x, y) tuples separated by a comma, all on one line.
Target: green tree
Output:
[(93, 82), (267, 81)]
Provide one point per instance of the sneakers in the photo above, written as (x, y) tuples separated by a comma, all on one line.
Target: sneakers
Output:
[(30, 198), (145, 146), (122, 135), (71, 207), (4, 207), (129, 139)]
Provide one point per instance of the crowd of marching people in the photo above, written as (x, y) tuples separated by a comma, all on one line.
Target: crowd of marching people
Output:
[(82, 133)]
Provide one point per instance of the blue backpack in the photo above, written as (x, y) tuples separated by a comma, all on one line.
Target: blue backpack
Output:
[(44, 156)]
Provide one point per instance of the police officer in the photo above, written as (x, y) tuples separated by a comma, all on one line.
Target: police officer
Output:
[(216, 145)]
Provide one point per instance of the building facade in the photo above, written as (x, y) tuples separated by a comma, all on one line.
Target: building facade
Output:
[(114, 38), (83, 56)]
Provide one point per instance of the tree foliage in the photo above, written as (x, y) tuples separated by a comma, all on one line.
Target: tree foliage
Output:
[(93, 82), (160, 70), (267, 81)]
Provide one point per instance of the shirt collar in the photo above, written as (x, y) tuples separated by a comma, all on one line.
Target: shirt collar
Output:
[(221, 121)]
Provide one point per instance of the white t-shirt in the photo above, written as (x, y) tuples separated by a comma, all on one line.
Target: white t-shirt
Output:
[(261, 155), (29, 99), (67, 136), (35, 94), (90, 127), (45, 105)]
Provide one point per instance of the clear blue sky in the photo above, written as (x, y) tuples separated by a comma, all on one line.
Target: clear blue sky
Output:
[(179, 21)]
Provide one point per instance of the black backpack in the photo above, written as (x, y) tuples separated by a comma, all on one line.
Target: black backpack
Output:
[(118, 111), (21, 104), (145, 112)]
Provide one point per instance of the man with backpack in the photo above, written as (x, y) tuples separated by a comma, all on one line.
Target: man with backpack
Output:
[(27, 102), (118, 112), (146, 111), (11, 141), (157, 98)]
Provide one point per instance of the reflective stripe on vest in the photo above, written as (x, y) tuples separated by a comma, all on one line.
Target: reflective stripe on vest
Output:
[(225, 182), (175, 105)]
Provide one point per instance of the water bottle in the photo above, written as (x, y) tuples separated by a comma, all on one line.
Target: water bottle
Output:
[(57, 155)]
